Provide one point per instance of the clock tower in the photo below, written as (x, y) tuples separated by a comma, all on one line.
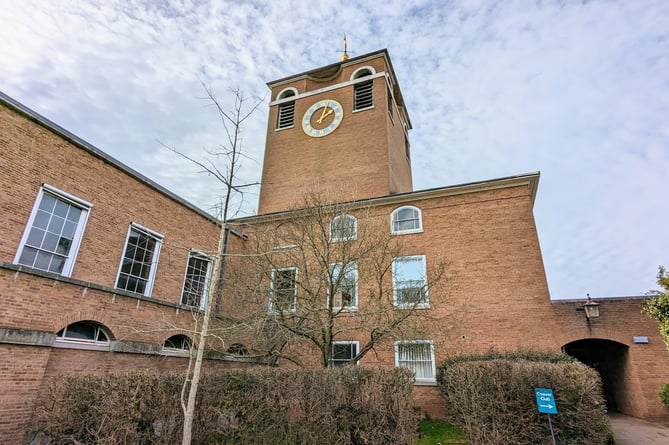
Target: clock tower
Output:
[(341, 128)]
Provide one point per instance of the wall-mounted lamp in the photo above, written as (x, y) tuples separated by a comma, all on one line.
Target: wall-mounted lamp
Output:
[(591, 308)]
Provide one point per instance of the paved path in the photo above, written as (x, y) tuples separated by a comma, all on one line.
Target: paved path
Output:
[(631, 431)]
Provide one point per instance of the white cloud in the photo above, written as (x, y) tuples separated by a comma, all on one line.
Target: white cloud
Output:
[(577, 90)]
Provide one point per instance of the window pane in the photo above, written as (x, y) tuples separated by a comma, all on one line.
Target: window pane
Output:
[(74, 214), (48, 203), (195, 283), (35, 237), (61, 209), (41, 219), (51, 234), (284, 288), (343, 353), (50, 242), (57, 263), (418, 358), (137, 262), (28, 256), (409, 280), (43, 260)]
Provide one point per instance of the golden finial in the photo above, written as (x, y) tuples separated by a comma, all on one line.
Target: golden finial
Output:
[(344, 57)]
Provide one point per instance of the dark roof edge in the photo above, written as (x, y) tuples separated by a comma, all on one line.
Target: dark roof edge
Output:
[(76, 140), (340, 62), (602, 299), (529, 179)]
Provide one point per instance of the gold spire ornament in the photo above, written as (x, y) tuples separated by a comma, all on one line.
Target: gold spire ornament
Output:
[(344, 57)]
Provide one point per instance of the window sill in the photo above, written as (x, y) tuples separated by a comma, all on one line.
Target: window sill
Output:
[(345, 309), (363, 109), (425, 383), (407, 232), (90, 346), (284, 128), (411, 306)]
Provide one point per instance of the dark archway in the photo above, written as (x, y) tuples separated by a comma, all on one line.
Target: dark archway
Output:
[(608, 358)]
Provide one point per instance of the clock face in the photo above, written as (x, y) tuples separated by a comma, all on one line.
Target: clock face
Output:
[(322, 118)]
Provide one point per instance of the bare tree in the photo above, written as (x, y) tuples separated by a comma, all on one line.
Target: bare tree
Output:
[(224, 164), (324, 272)]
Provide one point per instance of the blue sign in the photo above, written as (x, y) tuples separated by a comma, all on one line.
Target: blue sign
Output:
[(545, 400)]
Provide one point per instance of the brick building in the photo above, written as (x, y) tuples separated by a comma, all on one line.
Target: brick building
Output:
[(343, 129), (100, 267)]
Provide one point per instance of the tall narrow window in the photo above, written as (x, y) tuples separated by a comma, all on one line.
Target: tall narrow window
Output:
[(407, 219), (283, 296), (194, 291), (343, 228), (286, 114), (410, 281), (54, 231), (139, 262), (363, 96), (344, 286), (343, 352), (418, 356)]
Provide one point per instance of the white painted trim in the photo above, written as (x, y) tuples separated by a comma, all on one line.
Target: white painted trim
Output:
[(328, 88)]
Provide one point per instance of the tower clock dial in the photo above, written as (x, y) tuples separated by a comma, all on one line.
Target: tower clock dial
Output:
[(322, 118)]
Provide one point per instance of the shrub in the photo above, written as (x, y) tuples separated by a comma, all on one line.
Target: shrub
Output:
[(494, 402), (664, 394), (350, 405)]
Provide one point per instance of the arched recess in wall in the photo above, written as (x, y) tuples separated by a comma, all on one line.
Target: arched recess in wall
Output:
[(84, 334), (237, 349), (177, 345), (609, 358), (363, 71)]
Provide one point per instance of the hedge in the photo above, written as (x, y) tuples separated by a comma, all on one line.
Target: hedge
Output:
[(493, 400), (350, 405)]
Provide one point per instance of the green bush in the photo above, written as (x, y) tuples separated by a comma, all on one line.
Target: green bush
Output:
[(493, 400), (664, 394), (350, 405)]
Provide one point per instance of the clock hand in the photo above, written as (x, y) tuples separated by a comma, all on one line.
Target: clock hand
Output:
[(326, 115), (325, 108)]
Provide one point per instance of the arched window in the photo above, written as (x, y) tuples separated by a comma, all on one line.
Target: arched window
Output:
[(343, 228), (286, 115), (83, 335), (363, 94), (177, 345), (406, 219), (238, 349)]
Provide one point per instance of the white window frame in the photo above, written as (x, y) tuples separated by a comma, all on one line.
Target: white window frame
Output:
[(286, 98), (393, 218), (177, 352), (154, 264), (80, 343), (402, 362), (293, 306), (60, 195), (195, 254), (334, 229), (396, 282), (351, 268), (356, 74), (331, 361)]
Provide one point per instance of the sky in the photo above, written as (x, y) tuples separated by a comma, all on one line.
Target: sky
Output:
[(578, 90)]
